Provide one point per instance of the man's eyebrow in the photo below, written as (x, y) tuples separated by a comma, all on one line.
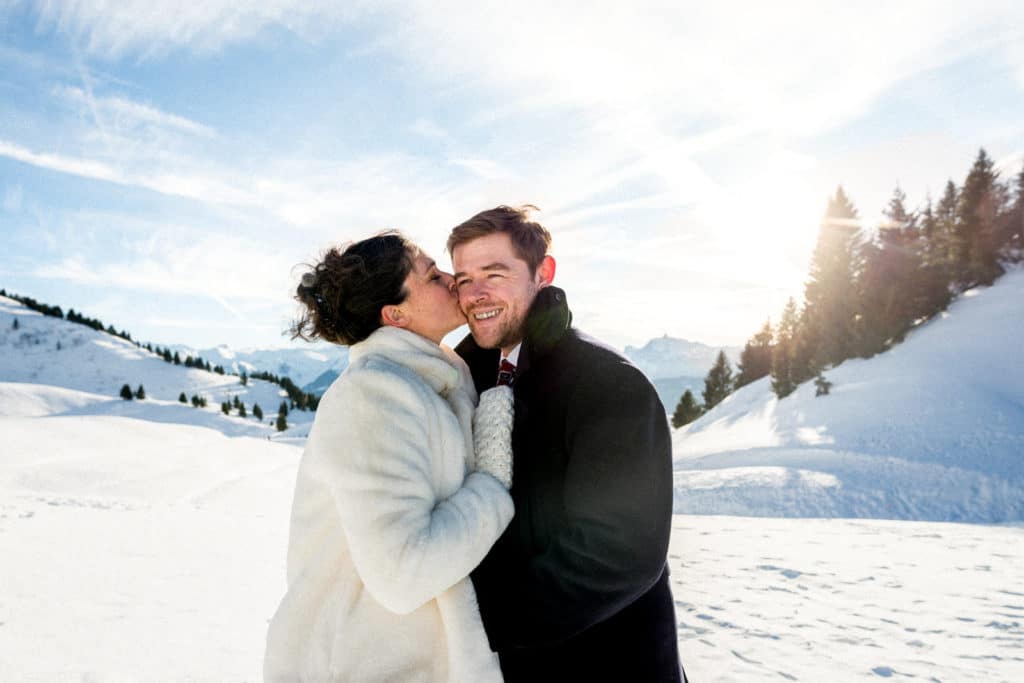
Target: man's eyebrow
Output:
[(497, 265)]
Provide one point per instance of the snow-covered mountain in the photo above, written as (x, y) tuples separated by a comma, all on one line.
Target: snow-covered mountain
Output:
[(302, 365), (675, 365), (668, 357), (68, 368), (932, 429)]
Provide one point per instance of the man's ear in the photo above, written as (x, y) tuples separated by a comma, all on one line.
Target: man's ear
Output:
[(392, 316), (546, 271)]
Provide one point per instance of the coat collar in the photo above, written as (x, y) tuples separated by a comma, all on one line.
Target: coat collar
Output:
[(547, 322), (438, 365)]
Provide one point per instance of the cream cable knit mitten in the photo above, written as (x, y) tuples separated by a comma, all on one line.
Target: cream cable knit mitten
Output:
[(492, 434)]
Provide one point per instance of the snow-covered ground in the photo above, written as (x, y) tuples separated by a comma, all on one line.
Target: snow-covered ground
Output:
[(142, 551), (132, 550), (930, 430)]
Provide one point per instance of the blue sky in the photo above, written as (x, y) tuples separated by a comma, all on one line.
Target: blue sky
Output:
[(165, 166)]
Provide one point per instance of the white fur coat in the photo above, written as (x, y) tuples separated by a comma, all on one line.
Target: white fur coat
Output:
[(388, 520)]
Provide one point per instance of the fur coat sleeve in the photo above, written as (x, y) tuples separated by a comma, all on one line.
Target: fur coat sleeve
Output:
[(413, 530)]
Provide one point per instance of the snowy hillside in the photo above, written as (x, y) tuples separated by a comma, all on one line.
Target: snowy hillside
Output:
[(94, 366), (933, 430)]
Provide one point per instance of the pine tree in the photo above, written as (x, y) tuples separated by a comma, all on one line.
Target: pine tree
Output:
[(898, 218), (687, 410), (756, 357), (126, 392), (785, 352), (225, 408), (235, 402), (890, 281), (283, 410), (281, 422), (718, 382), (831, 299), (244, 379), (182, 398), (189, 362), (257, 412), (978, 213), (1013, 235), (822, 385), (167, 355), (176, 358), (15, 325), (241, 411), (140, 393)]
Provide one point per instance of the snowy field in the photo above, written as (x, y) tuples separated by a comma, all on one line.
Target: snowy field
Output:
[(142, 551)]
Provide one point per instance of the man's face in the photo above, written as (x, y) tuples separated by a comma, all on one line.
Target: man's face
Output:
[(496, 290)]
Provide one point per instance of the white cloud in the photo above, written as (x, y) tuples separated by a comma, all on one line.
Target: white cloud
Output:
[(129, 114), (154, 28), (86, 168), (217, 266), (208, 189)]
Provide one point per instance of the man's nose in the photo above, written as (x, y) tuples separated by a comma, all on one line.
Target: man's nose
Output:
[(473, 292)]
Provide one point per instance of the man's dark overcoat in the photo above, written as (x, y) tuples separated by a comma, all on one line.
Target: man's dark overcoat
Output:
[(577, 586)]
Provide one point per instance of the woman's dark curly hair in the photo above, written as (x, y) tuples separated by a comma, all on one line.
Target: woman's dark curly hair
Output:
[(341, 296)]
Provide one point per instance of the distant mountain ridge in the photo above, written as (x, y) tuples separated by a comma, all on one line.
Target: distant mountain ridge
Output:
[(670, 357), (673, 365), (303, 366)]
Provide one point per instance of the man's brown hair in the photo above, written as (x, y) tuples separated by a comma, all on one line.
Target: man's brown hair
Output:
[(530, 240)]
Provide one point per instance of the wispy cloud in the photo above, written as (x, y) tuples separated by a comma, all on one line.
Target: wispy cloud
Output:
[(206, 189), (129, 113), (154, 28), (185, 262)]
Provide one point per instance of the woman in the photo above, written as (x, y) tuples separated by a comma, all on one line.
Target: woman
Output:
[(393, 508)]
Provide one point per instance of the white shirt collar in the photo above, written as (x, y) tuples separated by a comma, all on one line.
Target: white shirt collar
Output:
[(513, 355)]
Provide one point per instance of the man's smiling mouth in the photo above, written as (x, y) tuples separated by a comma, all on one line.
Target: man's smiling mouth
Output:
[(488, 315)]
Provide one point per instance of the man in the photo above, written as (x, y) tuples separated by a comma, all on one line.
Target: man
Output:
[(577, 586)]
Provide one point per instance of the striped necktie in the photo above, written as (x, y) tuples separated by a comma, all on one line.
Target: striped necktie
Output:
[(506, 373)]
